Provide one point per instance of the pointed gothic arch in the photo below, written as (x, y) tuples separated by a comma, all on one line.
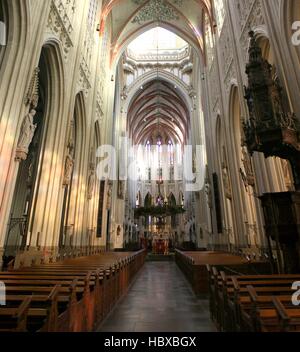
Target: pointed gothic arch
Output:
[(172, 200), (244, 177), (138, 199), (148, 200), (289, 14), (226, 205), (121, 47), (29, 198), (15, 15), (73, 174)]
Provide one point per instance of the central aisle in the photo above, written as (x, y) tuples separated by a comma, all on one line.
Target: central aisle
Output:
[(160, 300)]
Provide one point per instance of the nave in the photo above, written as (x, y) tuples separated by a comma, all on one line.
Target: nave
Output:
[(160, 300), (167, 126)]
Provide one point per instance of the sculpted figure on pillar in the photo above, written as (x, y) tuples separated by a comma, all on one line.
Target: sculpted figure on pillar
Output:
[(208, 189), (249, 177), (226, 181), (91, 183), (28, 127), (121, 189), (69, 164), (287, 174), (26, 136), (109, 195)]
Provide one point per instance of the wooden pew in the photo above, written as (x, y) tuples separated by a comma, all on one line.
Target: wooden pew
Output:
[(194, 265), (237, 301), (279, 316), (75, 290), (15, 319), (289, 318), (74, 295), (252, 306)]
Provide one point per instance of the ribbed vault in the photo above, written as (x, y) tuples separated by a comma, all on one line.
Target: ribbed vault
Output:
[(158, 110), (129, 18)]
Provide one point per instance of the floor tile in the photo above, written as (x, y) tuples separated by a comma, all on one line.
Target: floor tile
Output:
[(160, 300)]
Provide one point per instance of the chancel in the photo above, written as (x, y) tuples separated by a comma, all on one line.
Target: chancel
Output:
[(149, 166)]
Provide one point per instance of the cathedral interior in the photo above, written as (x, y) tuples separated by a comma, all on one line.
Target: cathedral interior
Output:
[(150, 165)]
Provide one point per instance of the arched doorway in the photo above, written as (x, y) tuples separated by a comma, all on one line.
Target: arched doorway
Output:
[(4, 29)]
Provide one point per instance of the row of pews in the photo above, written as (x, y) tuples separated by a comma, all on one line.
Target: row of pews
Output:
[(193, 265), (74, 295), (253, 303)]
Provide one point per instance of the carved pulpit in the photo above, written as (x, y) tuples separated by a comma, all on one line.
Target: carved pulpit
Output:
[(272, 130)]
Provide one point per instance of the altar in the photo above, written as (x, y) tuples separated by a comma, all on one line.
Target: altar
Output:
[(161, 244)]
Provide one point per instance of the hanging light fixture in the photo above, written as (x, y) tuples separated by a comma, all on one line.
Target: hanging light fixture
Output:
[(157, 81), (159, 137)]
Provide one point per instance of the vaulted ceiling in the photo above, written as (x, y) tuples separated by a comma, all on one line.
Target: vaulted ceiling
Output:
[(158, 111), (129, 18)]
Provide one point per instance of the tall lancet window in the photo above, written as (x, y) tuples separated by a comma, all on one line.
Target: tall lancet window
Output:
[(220, 13), (92, 15), (159, 158), (171, 160), (209, 41), (159, 148), (171, 153), (148, 151), (148, 161)]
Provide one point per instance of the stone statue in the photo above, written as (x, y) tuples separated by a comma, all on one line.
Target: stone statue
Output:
[(287, 174), (226, 181), (250, 179), (208, 191), (194, 163), (69, 164), (121, 189), (26, 136), (91, 184), (109, 195), (31, 166)]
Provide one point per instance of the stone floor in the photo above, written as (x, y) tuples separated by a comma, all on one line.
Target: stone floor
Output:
[(160, 300)]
